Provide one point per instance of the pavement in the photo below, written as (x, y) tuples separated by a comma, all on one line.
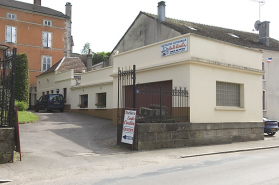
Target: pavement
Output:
[(66, 144)]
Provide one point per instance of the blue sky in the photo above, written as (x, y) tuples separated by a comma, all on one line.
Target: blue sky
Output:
[(103, 23)]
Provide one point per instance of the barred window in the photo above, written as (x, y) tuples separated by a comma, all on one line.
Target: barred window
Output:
[(227, 94)]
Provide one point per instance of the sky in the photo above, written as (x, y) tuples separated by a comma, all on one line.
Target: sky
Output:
[(102, 23)]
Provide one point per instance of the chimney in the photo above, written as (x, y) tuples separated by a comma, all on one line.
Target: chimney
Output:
[(264, 32), (161, 11), (89, 61), (69, 10), (37, 2)]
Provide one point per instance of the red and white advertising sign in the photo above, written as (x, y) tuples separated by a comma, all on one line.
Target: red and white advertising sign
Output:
[(129, 127)]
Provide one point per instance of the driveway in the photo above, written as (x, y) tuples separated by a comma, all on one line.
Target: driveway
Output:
[(62, 140)]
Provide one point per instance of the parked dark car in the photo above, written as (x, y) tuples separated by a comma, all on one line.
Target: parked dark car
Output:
[(270, 127), (49, 102)]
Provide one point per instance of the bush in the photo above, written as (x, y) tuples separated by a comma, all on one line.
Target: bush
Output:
[(21, 105), (22, 78)]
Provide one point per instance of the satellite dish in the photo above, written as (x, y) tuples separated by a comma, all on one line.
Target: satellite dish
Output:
[(257, 25)]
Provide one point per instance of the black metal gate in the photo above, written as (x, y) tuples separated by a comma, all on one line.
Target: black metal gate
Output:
[(7, 86), (156, 102)]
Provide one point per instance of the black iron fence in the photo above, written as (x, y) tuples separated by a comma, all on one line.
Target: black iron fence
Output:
[(157, 104), (7, 86)]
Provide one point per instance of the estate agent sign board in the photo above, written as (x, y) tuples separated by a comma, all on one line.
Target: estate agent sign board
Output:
[(129, 127), (174, 47)]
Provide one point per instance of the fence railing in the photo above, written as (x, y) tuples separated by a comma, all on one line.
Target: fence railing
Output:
[(158, 104), (7, 87)]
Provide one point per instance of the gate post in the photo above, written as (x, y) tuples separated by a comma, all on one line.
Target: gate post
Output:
[(134, 86)]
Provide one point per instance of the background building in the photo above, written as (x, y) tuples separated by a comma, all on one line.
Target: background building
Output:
[(42, 33)]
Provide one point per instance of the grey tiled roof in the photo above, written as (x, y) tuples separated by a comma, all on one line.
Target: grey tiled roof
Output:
[(246, 39), (31, 7), (68, 63)]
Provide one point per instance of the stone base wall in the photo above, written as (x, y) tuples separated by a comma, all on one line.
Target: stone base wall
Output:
[(170, 135), (6, 144)]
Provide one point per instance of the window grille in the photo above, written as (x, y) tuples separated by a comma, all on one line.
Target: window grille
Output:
[(227, 94)]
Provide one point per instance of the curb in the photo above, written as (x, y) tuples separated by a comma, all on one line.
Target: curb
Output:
[(230, 151)]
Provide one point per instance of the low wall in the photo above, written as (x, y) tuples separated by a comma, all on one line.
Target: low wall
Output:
[(6, 144), (102, 113), (170, 135)]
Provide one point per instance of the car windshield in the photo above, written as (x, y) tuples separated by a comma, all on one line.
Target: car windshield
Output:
[(54, 97)]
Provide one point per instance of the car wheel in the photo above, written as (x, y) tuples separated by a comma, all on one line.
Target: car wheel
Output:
[(271, 133), (61, 110), (36, 109)]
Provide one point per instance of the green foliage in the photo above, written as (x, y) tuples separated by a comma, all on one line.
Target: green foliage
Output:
[(21, 105), (22, 78), (100, 57), (86, 48), (26, 117)]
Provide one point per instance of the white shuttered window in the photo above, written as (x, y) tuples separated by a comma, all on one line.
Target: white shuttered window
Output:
[(11, 34), (46, 63), (47, 39)]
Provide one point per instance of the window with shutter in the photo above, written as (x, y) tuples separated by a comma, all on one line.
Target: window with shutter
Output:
[(47, 39), (46, 62), (11, 34)]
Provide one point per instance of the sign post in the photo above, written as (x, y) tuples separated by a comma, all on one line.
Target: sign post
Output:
[(129, 127)]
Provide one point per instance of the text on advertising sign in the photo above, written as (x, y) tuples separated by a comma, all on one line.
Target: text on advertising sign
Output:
[(174, 47), (129, 127)]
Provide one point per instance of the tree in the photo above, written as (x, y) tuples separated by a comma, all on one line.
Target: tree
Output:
[(22, 78), (100, 57), (86, 48)]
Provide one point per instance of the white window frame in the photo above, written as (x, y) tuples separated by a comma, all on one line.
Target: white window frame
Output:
[(11, 16), (264, 100), (47, 39), (263, 68), (42, 64), (11, 34), (47, 22)]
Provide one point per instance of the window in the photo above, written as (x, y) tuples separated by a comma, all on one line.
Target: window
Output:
[(227, 94), (47, 23), (263, 68), (264, 100), (101, 100), (51, 91), (47, 92), (11, 34), (83, 101), (65, 94), (233, 35), (47, 39), (11, 16), (46, 63), (43, 93)]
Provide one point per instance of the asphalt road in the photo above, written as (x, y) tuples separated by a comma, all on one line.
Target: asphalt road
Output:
[(256, 167), (67, 148)]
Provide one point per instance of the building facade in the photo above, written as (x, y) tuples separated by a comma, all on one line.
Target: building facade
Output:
[(42, 33)]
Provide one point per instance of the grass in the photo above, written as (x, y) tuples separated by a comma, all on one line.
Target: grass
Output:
[(26, 117)]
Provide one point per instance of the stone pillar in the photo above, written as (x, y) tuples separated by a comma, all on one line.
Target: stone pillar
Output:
[(69, 38), (6, 144)]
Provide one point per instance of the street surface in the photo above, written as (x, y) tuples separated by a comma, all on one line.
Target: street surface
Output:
[(67, 148)]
